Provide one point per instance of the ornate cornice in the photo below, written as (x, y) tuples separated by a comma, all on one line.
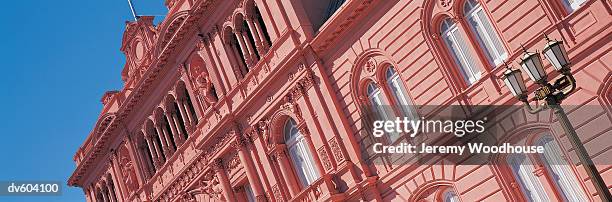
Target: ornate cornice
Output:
[(99, 146), (337, 27)]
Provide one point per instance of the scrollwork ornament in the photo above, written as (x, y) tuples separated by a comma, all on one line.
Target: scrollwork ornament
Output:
[(445, 4), (370, 65), (217, 164)]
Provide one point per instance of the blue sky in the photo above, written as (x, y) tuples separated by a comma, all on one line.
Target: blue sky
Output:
[(57, 60)]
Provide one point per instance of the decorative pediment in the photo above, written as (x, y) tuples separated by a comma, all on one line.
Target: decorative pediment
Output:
[(138, 40)]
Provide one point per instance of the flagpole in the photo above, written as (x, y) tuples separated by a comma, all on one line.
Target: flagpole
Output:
[(133, 11)]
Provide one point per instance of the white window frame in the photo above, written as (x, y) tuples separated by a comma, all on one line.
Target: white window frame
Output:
[(298, 150), (488, 39), (573, 5), (400, 94), (566, 182), (460, 51), (524, 175), (380, 106), (449, 195)]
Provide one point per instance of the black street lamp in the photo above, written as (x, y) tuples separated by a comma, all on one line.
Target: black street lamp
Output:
[(553, 94)]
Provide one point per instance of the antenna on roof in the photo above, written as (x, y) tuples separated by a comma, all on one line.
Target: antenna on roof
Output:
[(133, 10)]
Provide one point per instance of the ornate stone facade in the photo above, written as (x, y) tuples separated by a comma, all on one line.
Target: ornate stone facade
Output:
[(209, 91)]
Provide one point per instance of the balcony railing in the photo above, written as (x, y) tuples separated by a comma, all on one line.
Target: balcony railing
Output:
[(311, 193)]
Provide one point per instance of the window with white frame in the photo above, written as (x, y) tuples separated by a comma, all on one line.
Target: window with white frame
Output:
[(523, 172), (449, 195), (572, 5), (487, 37), (400, 94), (561, 173), (381, 107), (459, 49), (557, 170), (300, 155)]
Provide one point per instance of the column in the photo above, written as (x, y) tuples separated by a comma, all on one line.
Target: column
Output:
[(152, 149), (313, 150), (158, 150), (104, 192), (243, 47), (250, 48), (163, 141), (116, 173), (111, 190), (241, 145), (92, 195), (188, 112), (175, 131), (264, 42), (135, 153), (242, 69), (205, 52), (168, 136), (256, 35), (228, 192), (183, 113), (285, 168), (540, 173), (178, 127)]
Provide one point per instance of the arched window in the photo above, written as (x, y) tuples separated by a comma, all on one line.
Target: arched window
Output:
[(523, 172), (572, 5), (378, 102), (485, 33), (557, 170), (449, 195), (381, 107), (399, 93), (459, 49), (441, 193), (300, 155)]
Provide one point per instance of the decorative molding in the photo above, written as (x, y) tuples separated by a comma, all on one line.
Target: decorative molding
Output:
[(331, 33), (445, 4), (94, 152), (278, 196), (336, 150), (217, 164), (233, 163), (327, 165), (370, 65)]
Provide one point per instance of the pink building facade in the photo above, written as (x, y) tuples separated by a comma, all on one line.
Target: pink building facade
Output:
[(265, 100)]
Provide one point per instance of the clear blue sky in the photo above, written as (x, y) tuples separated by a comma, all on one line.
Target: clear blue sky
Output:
[(57, 60)]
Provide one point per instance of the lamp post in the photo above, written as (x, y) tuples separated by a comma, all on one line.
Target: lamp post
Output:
[(553, 94)]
